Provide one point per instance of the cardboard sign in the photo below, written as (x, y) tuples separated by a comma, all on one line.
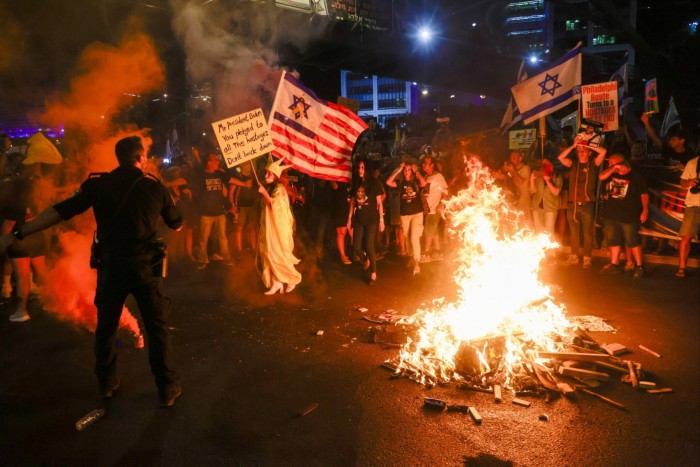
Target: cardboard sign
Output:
[(521, 139), (243, 137), (599, 103)]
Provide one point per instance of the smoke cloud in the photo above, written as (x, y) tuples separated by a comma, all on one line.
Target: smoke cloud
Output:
[(107, 79)]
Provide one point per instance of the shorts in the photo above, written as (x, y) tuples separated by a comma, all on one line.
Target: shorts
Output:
[(430, 229), (690, 227), (616, 232)]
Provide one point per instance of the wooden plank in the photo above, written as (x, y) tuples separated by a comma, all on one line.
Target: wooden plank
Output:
[(578, 356), (585, 374)]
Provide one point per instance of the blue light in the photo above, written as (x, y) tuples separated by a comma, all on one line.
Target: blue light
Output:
[(533, 58), (425, 34)]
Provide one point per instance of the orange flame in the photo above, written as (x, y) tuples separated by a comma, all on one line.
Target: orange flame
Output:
[(499, 294)]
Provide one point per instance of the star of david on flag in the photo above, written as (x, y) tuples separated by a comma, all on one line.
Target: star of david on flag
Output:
[(552, 89), (549, 88), (313, 135)]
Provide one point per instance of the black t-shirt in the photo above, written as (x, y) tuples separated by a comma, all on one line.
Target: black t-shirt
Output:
[(211, 199), (128, 231), (672, 157), (411, 202), (623, 201), (366, 208), (245, 197)]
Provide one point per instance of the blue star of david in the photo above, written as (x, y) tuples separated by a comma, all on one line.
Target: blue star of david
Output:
[(298, 107), (555, 84)]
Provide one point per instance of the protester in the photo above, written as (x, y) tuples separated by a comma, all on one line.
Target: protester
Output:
[(366, 217), (211, 198), (340, 209), (583, 180), (26, 256), (245, 205), (276, 233), (410, 206), (128, 202), (545, 187), (519, 173), (435, 191), (690, 227), (625, 207)]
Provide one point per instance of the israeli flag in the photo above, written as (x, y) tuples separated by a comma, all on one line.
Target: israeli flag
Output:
[(552, 89)]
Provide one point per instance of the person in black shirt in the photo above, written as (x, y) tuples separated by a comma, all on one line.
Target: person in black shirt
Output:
[(126, 204), (626, 206), (365, 217)]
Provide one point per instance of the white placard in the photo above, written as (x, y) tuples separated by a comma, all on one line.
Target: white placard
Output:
[(243, 137)]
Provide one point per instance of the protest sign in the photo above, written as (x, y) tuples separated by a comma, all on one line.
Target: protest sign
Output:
[(599, 103), (243, 137), (521, 139)]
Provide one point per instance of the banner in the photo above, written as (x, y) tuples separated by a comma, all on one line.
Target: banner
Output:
[(599, 103), (550, 90), (521, 139), (243, 137), (651, 98), (313, 135)]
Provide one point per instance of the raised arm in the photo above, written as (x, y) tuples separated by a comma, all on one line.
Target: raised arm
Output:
[(564, 156)]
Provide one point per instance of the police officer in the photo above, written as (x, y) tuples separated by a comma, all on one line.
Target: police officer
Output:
[(126, 204)]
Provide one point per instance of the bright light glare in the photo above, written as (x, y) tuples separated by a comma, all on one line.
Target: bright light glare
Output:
[(425, 34), (424, 92), (533, 58)]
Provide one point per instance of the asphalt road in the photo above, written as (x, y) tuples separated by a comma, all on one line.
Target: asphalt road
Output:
[(250, 363)]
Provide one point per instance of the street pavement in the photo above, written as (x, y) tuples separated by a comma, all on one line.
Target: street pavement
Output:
[(250, 364)]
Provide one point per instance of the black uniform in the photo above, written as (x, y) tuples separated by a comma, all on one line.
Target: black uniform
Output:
[(126, 240)]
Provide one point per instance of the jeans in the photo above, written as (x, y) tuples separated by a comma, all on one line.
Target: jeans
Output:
[(580, 217), (367, 235), (218, 224), (412, 226)]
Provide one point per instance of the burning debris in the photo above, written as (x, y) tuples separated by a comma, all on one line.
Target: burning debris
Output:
[(504, 330)]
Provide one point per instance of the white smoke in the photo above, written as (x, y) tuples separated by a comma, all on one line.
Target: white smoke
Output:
[(233, 46)]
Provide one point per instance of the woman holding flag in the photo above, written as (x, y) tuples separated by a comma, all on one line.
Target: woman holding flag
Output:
[(276, 241)]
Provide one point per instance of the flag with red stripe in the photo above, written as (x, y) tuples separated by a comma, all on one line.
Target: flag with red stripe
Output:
[(313, 135)]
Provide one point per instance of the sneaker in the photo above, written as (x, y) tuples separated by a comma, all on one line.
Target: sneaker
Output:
[(229, 262), (425, 258), (587, 262), (107, 390), (20, 316), (572, 260), (639, 272), (629, 266), (216, 257), (168, 394), (6, 291), (416, 268), (345, 260), (611, 269), (201, 266)]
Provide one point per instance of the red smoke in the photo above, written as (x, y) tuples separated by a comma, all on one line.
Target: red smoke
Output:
[(107, 79)]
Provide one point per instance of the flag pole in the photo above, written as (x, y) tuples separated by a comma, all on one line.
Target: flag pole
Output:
[(543, 135)]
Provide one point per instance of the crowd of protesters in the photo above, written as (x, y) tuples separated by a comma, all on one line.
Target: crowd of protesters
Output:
[(585, 190)]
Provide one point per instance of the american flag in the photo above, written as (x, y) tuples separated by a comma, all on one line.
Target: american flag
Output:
[(314, 136)]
